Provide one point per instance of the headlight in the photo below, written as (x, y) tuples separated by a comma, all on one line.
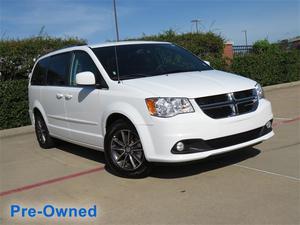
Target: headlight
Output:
[(168, 107), (259, 91)]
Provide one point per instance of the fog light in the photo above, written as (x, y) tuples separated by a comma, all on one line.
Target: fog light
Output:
[(269, 124), (179, 146)]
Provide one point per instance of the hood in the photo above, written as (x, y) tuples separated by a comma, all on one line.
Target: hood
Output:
[(191, 84)]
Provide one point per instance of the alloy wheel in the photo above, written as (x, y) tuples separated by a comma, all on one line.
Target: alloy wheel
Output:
[(127, 150)]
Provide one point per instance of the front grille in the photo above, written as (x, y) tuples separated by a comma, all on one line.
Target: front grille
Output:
[(230, 104)]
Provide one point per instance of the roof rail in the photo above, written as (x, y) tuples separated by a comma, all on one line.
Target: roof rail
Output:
[(70, 46), (78, 45)]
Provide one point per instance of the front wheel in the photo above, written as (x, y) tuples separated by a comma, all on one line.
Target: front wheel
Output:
[(124, 151)]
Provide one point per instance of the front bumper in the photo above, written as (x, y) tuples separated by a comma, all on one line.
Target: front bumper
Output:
[(159, 139)]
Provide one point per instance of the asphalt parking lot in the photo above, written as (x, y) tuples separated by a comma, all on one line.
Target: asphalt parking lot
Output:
[(259, 185)]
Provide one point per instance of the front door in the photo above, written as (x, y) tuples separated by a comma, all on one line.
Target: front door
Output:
[(84, 103)]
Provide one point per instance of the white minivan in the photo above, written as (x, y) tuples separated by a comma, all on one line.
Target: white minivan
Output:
[(143, 102)]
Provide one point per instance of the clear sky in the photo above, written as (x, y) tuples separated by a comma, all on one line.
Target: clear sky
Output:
[(93, 19)]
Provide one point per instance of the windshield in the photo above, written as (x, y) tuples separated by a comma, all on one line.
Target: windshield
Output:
[(146, 60)]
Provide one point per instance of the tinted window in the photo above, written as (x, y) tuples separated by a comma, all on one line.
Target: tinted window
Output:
[(40, 72), (82, 63), (144, 60), (58, 72)]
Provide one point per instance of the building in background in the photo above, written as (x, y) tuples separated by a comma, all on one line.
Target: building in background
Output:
[(292, 43)]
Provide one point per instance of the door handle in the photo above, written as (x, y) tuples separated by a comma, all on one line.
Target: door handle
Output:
[(59, 95), (68, 97)]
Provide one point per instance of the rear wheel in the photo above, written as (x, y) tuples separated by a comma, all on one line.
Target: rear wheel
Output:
[(124, 151), (42, 133)]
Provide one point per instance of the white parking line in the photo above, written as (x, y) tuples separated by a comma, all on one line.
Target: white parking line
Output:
[(281, 118), (264, 171)]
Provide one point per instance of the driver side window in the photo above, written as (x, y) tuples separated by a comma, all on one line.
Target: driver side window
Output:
[(82, 62)]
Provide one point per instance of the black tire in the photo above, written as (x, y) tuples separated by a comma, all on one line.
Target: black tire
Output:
[(42, 133), (125, 158)]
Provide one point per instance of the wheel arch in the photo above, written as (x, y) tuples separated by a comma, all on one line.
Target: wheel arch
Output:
[(37, 108), (112, 118), (123, 110), (127, 112)]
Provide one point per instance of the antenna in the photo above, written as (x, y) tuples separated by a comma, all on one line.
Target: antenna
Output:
[(117, 34), (116, 20)]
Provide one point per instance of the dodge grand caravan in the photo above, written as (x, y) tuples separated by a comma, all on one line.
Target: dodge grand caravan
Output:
[(143, 102)]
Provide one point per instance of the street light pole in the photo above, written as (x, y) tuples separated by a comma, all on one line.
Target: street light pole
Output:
[(196, 21), (116, 20), (245, 31)]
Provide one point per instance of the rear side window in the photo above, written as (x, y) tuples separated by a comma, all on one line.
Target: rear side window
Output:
[(40, 72), (58, 72)]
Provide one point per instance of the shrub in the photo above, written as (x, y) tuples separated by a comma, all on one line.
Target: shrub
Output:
[(262, 46), (13, 104), (218, 63), (268, 64), (17, 56)]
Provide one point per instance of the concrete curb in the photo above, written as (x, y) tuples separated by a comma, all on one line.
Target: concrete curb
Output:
[(279, 86), (16, 131), (30, 129)]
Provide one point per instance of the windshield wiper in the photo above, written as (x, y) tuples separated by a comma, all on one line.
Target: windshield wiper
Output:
[(137, 75), (177, 71)]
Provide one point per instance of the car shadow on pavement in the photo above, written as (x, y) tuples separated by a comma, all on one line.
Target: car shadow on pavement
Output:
[(169, 171), (80, 151)]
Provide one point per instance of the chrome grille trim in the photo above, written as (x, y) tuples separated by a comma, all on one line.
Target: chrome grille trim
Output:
[(236, 103)]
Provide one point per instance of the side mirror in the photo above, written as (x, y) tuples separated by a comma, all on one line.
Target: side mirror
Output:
[(85, 78), (208, 63)]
